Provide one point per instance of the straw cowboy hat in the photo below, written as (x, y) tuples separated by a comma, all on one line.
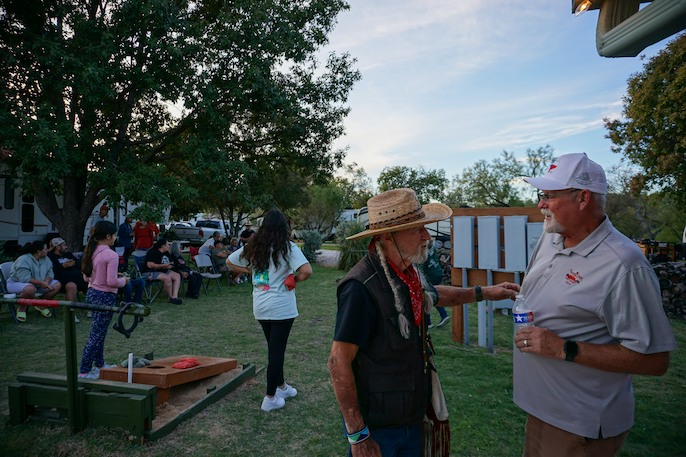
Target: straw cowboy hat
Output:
[(399, 209)]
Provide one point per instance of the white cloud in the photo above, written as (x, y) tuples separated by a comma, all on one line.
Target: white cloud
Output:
[(447, 82)]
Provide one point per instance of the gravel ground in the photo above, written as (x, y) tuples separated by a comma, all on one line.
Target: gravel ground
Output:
[(328, 258)]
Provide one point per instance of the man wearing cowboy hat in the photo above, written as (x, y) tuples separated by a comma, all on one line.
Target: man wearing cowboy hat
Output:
[(246, 234), (379, 359)]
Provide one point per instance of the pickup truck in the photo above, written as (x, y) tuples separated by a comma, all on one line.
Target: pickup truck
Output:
[(185, 231), (210, 227)]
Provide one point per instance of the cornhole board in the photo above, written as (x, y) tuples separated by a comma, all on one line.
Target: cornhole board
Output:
[(161, 374), (111, 403)]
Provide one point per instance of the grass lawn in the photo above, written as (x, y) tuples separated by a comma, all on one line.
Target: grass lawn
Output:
[(478, 385)]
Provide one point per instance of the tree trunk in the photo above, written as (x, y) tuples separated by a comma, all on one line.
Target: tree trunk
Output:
[(71, 218)]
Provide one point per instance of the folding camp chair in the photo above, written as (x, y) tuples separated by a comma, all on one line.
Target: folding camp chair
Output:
[(206, 269), (150, 292), (120, 252), (4, 274)]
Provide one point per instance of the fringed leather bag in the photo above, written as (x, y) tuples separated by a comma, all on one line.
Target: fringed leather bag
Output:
[(436, 423)]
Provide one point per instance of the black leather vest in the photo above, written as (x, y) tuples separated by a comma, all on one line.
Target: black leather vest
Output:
[(392, 385)]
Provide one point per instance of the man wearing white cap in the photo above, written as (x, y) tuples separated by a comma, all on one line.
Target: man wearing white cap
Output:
[(66, 269), (380, 358), (598, 320)]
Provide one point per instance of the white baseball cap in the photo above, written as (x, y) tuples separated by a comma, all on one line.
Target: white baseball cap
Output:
[(572, 171)]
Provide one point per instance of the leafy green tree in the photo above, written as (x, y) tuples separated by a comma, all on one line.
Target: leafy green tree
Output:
[(653, 133), (358, 186), (498, 182), (641, 215), (323, 210), (128, 98), (428, 184)]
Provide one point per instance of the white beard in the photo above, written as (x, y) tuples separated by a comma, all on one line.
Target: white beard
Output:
[(551, 225), (418, 257)]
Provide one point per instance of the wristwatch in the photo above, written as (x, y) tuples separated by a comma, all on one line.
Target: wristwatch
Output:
[(478, 295), (571, 350)]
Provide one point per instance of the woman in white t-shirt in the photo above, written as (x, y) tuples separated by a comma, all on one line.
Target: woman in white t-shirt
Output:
[(275, 264)]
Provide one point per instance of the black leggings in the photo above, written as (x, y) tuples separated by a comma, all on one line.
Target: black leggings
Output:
[(276, 333)]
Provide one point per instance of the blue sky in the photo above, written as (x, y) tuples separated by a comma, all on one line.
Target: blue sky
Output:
[(448, 82)]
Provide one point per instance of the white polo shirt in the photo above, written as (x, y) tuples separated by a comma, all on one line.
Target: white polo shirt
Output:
[(601, 291)]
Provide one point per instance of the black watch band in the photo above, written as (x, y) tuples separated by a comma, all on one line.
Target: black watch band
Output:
[(571, 350), (478, 296)]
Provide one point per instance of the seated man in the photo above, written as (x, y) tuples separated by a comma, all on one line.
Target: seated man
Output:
[(32, 273), (158, 265), (219, 255), (208, 245), (237, 276), (133, 289), (67, 269), (180, 266)]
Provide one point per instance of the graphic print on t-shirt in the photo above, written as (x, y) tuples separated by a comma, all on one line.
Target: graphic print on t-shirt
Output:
[(261, 281)]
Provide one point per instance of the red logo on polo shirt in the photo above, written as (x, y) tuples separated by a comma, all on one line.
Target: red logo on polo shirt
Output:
[(573, 277)]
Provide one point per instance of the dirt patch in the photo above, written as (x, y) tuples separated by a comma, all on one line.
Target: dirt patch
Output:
[(186, 395)]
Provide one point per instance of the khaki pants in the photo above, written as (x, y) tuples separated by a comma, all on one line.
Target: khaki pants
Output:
[(544, 440)]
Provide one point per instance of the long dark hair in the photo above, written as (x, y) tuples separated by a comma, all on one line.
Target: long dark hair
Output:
[(272, 238), (102, 229)]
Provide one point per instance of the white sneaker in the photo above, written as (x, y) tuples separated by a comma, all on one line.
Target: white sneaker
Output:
[(444, 321), (276, 402), (287, 392)]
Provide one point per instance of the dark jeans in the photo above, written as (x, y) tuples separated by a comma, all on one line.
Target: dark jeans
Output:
[(397, 441), (134, 287), (276, 333), (93, 353)]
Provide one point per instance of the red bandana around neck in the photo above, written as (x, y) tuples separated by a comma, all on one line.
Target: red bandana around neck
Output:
[(411, 279)]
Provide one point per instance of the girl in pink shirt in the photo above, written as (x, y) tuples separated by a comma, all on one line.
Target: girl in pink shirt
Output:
[(100, 265)]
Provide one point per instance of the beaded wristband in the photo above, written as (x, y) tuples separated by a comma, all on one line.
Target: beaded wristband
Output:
[(358, 437)]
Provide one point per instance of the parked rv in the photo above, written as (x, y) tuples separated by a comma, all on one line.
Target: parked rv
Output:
[(21, 221)]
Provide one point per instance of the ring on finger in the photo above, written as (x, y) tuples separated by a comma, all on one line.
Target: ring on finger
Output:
[(526, 343)]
